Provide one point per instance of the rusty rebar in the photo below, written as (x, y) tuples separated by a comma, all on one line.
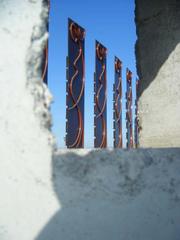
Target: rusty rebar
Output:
[(136, 121), (129, 109), (117, 108), (100, 97), (45, 52), (75, 87)]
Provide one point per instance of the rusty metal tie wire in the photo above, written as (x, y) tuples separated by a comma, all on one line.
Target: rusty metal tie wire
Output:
[(100, 97), (136, 122), (45, 53), (75, 86), (129, 109), (117, 114)]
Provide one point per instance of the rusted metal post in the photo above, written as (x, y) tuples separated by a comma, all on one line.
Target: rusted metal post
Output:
[(75, 86), (117, 108), (45, 54), (129, 109), (136, 121), (100, 98)]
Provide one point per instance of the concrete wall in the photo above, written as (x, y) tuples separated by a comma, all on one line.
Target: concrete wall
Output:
[(25, 140), (158, 61), (108, 194), (69, 195)]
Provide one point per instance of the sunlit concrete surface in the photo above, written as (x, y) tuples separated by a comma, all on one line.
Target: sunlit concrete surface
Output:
[(158, 61), (94, 194), (25, 140), (70, 195)]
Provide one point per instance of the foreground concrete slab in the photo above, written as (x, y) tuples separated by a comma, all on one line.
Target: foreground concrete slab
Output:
[(92, 195)]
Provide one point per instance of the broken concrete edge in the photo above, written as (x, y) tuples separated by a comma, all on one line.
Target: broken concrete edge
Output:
[(42, 95), (128, 169)]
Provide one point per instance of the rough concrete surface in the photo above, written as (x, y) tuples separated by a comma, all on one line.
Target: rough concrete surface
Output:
[(158, 61), (115, 194), (80, 194), (25, 140)]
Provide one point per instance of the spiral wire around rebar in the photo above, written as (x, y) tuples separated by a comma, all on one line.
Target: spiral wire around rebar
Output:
[(75, 101), (100, 108), (118, 112), (129, 107)]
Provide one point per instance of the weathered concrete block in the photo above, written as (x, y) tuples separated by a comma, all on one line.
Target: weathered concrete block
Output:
[(115, 194), (158, 61), (80, 194), (25, 140)]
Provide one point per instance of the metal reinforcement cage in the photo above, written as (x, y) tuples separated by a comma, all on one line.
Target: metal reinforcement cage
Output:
[(136, 120), (100, 97), (129, 109), (117, 103), (44, 66), (75, 86)]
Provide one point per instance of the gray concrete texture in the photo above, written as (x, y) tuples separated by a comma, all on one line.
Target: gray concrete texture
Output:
[(158, 67), (115, 194), (70, 195)]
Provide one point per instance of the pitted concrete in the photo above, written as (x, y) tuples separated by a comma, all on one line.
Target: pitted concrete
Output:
[(80, 194), (25, 139), (158, 61)]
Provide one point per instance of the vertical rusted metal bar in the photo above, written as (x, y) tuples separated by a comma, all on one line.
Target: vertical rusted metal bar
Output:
[(45, 53), (75, 86), (136, 121), (129, 109), (117, 108), (100, 97)]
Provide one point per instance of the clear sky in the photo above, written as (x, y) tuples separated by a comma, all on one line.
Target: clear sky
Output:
[(108, 21)]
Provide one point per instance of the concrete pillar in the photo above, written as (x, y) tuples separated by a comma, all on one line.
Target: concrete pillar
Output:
[(158, 66), (25, 139)]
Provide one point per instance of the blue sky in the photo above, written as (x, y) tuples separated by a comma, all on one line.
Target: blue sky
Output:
[(110, 22)]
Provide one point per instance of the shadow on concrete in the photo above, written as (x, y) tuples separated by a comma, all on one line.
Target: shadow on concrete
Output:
[(158, 32), (100, 193)]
